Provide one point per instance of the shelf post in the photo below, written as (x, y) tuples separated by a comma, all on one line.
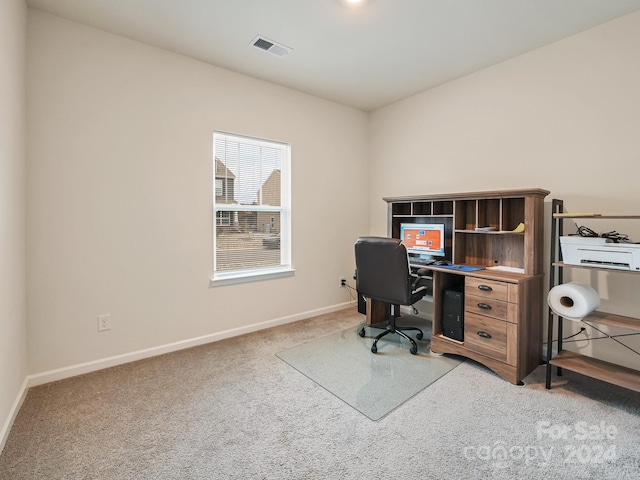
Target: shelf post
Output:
[(557, 206)]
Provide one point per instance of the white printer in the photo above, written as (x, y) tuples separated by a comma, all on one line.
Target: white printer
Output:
[(600, 252)]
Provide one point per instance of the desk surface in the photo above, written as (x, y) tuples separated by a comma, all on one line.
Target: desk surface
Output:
[(488, 273)]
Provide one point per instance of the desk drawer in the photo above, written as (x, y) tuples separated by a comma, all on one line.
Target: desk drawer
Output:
[(486, 288), (486, 335), (490, 307)]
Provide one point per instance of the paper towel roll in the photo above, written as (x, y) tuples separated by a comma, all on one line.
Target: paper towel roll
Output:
[(573, 300)]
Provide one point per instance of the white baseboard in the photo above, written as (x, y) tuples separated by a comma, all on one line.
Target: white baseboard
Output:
[(82, 368), (13, 413)]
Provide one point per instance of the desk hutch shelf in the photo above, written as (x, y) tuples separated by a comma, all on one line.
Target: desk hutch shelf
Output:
[(576, 362), (502, 306)]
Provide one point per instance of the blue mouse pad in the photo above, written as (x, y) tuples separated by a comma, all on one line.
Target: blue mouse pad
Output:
[(461, 268)]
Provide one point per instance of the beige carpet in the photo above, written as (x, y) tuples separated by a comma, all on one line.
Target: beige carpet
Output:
[(233, 410)]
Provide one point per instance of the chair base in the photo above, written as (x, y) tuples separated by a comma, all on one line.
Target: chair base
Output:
[(392, 328)]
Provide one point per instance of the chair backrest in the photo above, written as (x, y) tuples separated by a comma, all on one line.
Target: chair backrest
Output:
[(382, 270)]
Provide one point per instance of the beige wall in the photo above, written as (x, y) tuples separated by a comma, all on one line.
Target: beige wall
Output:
[(120, 193), (565, 118), (13, 344)]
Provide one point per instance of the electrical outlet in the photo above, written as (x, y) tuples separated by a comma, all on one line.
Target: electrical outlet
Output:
[(342, 282), (104, 322)]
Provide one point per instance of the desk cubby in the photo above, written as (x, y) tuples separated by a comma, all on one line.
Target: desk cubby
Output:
[(421, 208), (500, 214)]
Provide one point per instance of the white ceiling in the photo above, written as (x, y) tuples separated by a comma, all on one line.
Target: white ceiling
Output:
[(367, 56)]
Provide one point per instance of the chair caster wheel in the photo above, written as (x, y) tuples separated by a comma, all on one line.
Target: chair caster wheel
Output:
[(374, 349), (413, 350), (361, 332), (419, 335)]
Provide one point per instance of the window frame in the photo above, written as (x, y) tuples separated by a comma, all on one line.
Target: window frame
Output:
[(285, 268)]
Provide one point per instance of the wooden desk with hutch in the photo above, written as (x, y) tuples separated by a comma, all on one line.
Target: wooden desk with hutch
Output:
[(502, 307)]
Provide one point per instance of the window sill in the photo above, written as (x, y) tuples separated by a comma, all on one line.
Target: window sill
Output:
[(250, 276)]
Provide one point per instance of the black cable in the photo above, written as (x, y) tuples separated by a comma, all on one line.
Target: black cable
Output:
[(612, 235), (582, 329), (616, 237), (346, 285), (352, 300), (585, 231)]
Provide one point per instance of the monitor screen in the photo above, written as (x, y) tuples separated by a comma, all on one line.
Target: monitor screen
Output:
[(423, 239)]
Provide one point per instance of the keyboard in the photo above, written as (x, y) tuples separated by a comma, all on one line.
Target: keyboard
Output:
[(420, 261)]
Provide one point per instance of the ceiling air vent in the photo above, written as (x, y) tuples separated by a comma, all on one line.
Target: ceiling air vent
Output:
[(271, 46)]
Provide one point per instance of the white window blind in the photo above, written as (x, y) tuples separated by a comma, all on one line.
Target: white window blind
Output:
[(251, 206)]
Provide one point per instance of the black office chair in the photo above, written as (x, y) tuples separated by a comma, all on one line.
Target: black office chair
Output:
[(383, 273)]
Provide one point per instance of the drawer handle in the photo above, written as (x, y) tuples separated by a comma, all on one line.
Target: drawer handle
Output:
[(484, 334), (484, 306), (485, 288)]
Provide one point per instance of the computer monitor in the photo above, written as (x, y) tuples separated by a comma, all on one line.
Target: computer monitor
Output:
[(424, 240)]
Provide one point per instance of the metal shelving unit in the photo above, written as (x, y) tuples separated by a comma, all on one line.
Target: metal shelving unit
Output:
[(576, 362)]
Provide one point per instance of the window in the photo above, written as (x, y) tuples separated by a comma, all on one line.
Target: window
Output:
[(223, 219), (251, 203)]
